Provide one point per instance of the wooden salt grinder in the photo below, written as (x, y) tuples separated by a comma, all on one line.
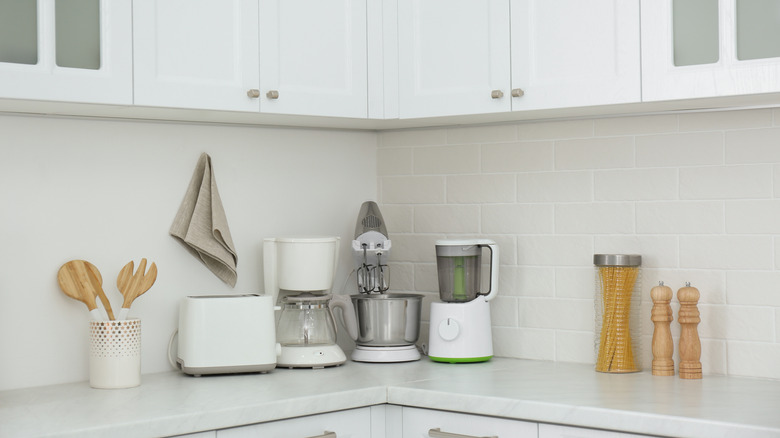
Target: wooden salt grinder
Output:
[(662, 316), (690, 345)]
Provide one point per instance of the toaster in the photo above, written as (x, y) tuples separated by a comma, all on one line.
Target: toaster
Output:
[(221, 334)]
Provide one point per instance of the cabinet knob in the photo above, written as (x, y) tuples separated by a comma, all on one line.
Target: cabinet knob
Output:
[(517, 92), (496, 94), (254, 93), (272, 94)]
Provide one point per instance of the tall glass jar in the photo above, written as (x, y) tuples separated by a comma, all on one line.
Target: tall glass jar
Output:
[(617, 301)]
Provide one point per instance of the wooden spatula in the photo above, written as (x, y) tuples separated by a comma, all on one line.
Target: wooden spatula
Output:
[(132, 285), (73, 278), (97, 287)]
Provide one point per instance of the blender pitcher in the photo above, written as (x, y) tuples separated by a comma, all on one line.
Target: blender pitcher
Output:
[(458, 263)]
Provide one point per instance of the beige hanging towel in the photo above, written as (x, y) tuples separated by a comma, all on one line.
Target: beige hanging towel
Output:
[(201, 224)]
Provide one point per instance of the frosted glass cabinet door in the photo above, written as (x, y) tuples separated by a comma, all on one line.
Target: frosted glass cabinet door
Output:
[(453, 57), (69, 51), (709, 48), (196, 53), (570, 53), (313, 57)]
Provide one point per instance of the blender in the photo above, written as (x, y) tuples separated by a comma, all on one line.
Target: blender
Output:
[(460, 323), (385, 326), (301, 269)]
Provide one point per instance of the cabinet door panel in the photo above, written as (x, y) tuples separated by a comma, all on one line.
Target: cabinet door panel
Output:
[(417, 423), (108, 76), (353, 423), (570, 53), (196, 53), (665, 79), (452, 55), (313, 53)]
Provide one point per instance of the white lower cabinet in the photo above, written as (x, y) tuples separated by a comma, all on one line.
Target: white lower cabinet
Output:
[(422, 423), (556, 431), (353, 423)]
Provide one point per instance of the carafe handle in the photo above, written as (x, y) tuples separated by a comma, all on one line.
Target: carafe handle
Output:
[(493, 247), (348, 317)]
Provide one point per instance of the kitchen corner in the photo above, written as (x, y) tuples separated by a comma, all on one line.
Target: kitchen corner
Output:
[(537, 391)]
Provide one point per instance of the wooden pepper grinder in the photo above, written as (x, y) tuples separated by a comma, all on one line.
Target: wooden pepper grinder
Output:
[(662, 316), (690, 345)]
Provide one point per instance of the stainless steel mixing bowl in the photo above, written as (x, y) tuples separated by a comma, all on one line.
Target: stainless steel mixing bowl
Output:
[(387, 320)]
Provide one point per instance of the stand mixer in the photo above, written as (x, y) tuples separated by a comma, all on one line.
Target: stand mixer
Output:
[(384, 326), (302, 269), (460, 323)]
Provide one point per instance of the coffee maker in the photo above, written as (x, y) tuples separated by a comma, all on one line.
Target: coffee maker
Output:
[(460, 323), (301, 269)]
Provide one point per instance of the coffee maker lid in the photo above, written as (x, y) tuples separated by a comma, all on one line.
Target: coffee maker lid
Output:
[(306, 297), (304, 239)]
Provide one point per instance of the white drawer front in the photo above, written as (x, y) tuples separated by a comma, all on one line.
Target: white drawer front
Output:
[(418, 422)]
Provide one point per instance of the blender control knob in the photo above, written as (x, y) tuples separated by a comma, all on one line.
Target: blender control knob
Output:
[(449, 329)]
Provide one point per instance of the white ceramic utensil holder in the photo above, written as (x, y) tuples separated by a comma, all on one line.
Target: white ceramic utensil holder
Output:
[(115, 354)]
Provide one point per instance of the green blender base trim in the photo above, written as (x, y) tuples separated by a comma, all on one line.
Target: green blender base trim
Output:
[(460, 359)]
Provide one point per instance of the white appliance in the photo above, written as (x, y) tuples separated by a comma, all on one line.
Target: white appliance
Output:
[(226, 334), (302, 269), (460, 324)]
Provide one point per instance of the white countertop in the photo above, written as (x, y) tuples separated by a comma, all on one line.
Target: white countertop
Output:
[(573, 394)]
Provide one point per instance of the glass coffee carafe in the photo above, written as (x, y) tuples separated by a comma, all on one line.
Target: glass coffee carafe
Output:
[(306, 320)]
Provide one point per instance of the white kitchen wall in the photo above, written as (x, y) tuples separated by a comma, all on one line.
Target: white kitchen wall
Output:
[(696, 194), (107, 191)]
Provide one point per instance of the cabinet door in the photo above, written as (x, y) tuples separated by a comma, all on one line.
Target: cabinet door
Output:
[(313, 57), (418, 422), (555, 431), (75, 51), (353, 423), (196, 53), (709, 48), (453, 57), (570, 53)]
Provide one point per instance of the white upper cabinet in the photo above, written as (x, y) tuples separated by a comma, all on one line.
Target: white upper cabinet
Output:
[(709, 48), (70, 51), (196, 54), (571, 53), (453, 57), (313, 57)]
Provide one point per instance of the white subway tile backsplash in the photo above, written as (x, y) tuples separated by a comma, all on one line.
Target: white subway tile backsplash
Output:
[(636, 125), (753, 217), (726, 182), (413, 190), (680, 217), (696, 194), (679, 149), (574, 186), (594, 153), (753, 288), (482, 134), (518, 157), (446, 160), (555, 130), (635, 185), (446, 219), (478, 189), (753, 146), (517, 218), (719, 120), (554, 250), (595, 218), (725, 252), (394, 161)]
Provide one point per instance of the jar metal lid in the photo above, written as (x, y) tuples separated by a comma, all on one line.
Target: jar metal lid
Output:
[(617, 259)]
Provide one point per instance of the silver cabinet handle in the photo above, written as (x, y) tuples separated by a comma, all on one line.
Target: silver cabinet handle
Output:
[(496, 94), (272, 94), (517, 92), (254, 93), (437, 433), (325, 435)]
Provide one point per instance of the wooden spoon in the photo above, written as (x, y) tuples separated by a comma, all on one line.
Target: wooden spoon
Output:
[(73, 278), (133, 285)]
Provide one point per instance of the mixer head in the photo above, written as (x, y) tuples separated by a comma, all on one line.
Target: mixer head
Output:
[(371, 248)]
